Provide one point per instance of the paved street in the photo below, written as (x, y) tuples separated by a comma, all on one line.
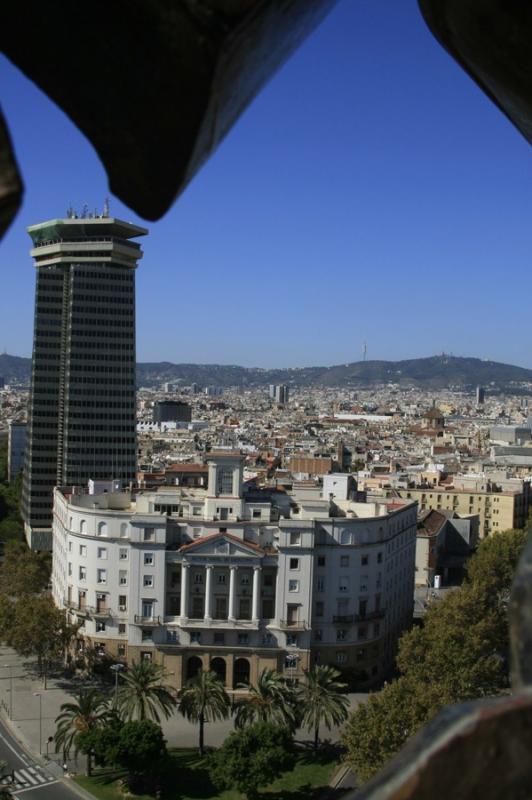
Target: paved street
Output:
[(32, 780)]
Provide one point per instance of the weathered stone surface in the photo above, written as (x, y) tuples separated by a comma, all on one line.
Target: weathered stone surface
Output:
[(474, 750), (10, 181), (154, 84), (490, 39)]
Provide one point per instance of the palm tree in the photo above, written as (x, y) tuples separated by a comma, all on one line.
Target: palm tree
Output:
[(144, 694), (90, 710), (204, 699), (321, 699), (271, 700)]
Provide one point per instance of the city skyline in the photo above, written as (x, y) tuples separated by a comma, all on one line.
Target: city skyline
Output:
[(359, 195)]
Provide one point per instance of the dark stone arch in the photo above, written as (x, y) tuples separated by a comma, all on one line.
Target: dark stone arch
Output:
[(219, 666), (241, 672), (194, 666)]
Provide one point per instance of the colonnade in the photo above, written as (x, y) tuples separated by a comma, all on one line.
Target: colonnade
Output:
[(209, 570)]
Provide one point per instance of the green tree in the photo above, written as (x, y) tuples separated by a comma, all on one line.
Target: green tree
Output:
[(38, 628), (204, 699), (90, 711), (250, 758), (322, 699), (271, 700), (24, 571), (143, 693), (460, 653)]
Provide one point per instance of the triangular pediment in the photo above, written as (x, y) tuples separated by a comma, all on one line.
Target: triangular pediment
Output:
[(223, 545)]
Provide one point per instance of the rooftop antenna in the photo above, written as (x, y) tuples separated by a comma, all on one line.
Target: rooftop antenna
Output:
[(364, 351), (106, 207), (85, 211), (70, 212)]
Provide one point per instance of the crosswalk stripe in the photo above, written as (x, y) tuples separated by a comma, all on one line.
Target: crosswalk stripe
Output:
[(40, 777), (26, 777)]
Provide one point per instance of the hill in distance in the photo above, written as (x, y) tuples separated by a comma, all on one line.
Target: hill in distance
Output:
[(436, 372)]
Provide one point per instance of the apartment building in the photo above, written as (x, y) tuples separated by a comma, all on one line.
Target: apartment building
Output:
[(500, 504), (235, 580)]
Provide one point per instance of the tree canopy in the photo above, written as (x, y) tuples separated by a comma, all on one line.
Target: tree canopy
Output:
[(460, 653), (251, 757)]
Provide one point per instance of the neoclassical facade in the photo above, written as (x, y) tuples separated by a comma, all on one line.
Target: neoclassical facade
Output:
[(235, 579)]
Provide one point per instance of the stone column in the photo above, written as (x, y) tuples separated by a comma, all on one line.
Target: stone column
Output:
[(184, 590), (255, 613), (207, 616), (232, 593)]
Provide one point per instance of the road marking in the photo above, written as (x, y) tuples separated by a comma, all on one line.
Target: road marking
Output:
[(34, 788), (40, 777), (8, 744)]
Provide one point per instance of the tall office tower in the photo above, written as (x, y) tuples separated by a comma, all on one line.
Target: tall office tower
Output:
[(81, 415)]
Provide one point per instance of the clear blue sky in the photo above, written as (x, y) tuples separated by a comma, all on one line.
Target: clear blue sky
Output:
[(371, 193)]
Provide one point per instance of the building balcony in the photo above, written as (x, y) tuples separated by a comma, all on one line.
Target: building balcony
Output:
[(102, 613), (219, 624), (293, 625), (147, 622), (370, 615), (344, 618)]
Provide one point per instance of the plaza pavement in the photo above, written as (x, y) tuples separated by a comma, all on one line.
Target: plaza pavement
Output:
[(33, 727)]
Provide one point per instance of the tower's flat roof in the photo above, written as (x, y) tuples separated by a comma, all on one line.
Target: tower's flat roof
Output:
[(88, 226)]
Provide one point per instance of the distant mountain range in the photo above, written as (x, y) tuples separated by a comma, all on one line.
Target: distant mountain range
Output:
[(437, 372)]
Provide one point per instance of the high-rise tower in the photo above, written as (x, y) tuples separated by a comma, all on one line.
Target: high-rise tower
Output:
[(81, 415)]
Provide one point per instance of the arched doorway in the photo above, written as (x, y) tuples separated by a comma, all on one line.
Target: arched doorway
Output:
[(194, 666), (219, 667), (241, 672)]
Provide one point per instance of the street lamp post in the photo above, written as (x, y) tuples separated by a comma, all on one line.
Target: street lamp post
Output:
[(37, 694), (10, 668), (116, 669)]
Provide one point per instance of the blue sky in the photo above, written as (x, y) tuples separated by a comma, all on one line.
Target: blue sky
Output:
[(371, 193)]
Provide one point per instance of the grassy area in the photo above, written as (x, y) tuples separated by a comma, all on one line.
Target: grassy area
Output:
[(188, 779)]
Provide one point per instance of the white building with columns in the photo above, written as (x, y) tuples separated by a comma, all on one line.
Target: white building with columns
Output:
[(235, 579)]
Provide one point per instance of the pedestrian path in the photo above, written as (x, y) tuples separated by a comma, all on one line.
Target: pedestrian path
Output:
[(26, 778)]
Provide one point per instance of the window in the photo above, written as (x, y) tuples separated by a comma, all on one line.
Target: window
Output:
[(321, 561), (122, 602), (318, 635), (123, 530), (102, 552), (257, 513), (195, 637), (221, 577), (268, 579), (345, 537), (148, 559), (219, 638), (149, 534), (244, 580), (343, 585), (146, 655), (344, 561), (225, 481), (82, 573), (172, 636), (83, 549), (320, 584), (121, 650), (123, 554), (196, 511), (294, 563), (379, 558), (148, 581), (122, 577), (82, 526), (291, 639), (146, 635), (295, 538), (362, 632), (293, 586), (70, 568), (101, 576), (102, 529), (319, 609), (376, 629), (364, 561), (70, 547), (341, 635), (100, 627), (243, 638), (341, 657), (198, 577)]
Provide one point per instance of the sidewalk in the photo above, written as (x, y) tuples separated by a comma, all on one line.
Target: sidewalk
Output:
[(35, 710)]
